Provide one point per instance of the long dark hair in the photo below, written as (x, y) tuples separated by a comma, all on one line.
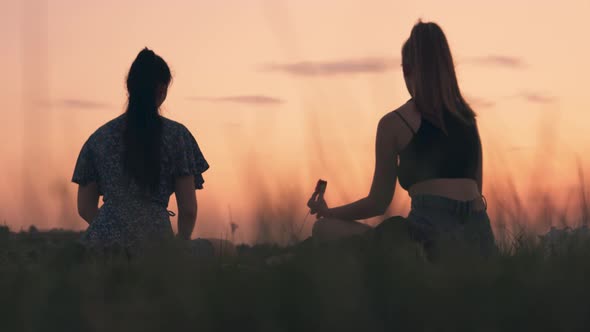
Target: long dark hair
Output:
[(148, 75), (426, 57)]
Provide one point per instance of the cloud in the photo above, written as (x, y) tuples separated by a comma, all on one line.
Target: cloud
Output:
[(373, 65), (477, 102), (537, 98), (335, 68), (244, 99), (80, 104), (531, 97), (496, 61)]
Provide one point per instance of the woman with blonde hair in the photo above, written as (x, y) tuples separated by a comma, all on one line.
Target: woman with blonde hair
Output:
[(431, 144)]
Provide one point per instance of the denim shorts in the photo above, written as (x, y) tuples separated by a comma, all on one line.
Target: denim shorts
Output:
[(435, 219)]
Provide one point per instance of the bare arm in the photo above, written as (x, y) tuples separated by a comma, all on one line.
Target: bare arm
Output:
[(186, 199), (479, 172), (384, 177), (88, 201)]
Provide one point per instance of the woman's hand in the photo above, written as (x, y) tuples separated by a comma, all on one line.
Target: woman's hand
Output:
[(317, 205)]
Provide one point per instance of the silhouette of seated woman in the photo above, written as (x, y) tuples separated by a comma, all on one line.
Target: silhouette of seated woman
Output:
[(136, 162), (430, 144)]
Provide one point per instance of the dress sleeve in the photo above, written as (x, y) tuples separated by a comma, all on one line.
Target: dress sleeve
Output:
[(85, 171), (189, 159)]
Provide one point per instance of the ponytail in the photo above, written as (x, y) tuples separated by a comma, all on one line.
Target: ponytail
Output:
[(142, 136)]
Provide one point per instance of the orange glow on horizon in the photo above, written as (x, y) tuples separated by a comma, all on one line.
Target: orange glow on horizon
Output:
[(268, 127)]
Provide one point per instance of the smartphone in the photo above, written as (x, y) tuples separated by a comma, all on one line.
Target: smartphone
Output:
[(320, 187)]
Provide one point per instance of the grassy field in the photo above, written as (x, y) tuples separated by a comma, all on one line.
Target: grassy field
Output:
[(48, 283)]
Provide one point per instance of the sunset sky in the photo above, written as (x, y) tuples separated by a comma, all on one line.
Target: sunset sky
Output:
[(281, 93)]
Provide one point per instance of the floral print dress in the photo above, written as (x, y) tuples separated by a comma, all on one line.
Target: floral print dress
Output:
[(128, 216)]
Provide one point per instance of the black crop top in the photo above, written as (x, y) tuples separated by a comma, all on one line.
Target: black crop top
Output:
[(432, 154)]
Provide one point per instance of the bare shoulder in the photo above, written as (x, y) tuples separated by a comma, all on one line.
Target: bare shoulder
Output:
[(397, 123), (407, 111), (395, 119)]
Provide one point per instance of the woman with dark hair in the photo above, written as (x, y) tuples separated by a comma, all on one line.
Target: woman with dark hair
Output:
[(430, 144), (136, 162)]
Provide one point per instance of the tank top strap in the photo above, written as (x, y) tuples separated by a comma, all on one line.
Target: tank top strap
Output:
[(406, 122)]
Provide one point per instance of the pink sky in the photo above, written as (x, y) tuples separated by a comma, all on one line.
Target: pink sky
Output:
[(265, 86)]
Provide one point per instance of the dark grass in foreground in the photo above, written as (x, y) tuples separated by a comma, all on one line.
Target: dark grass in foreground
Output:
[(52, 285)]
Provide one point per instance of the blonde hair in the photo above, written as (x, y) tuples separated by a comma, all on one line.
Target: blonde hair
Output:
[(426, 57)]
